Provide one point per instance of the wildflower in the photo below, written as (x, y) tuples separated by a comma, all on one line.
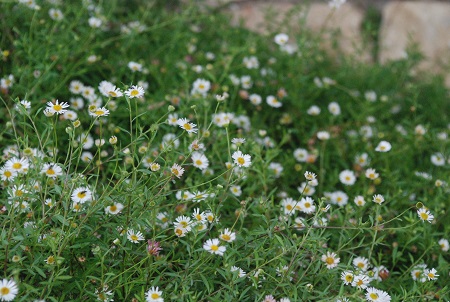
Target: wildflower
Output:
[(269, 298), (104, 294), (238, 141), (135, 92), (362, 159), (186, 125), (50, 260), (380, 273), (154, 295), (114, 209), (108, 89), (57, 107), (443, 243), (81, 195), (17, 165), (383, 146), (7, 174), (425, 215), (359, 201), (370, 96), (290, 206), (273, 102), (183, 222), (236, 190), (227, 235), (8, 290), (431, 274), (361, 263), (200, 217), (438, 159), (153, 247), (135, 237), (307, 205), (323, 135), (310, 176), (378, 198), (213, 246), (420, 130), (113, 140), (366, 131), (177, 170), (134, 66), (360, 281), (242, 160), (372, 174), (417, 273), (276, 168), (331, 260), (201, 86), (55, 14), (306, 189), (98, 112), (52, 170), (300, 154), (377, 295), (347, 177), (76, 87), (255, 99), (251, 62), (347, 277), (313, 110), (334, 108), (241, 273), (281, 39), (154, 167)]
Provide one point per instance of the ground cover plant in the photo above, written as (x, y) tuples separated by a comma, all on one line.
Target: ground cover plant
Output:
[(151, 152)]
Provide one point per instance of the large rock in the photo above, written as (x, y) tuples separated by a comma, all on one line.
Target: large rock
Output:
[(425, 23)]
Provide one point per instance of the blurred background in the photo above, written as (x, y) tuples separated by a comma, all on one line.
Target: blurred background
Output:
[(366, 30)]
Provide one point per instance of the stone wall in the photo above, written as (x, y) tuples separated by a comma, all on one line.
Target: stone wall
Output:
[(425, 24)]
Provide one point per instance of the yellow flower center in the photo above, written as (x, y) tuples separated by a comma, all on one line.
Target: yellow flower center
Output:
[(201, 86), (50, 260), (360, 265), (57, 107), (417, 274), (359, 283), (17, 166), (424, 216), (187, 126), (8, 174), (4, 291), (19, 192), (179, 232), (175, 171), (373, 296), (226, 237), (184, 224), (134, 92), (99, 112), (349, 278), (214, 247), (112, 93), (50, 171), (77, 207), (155, 296), (307, 205), (113, 208), (289, 207), (329, 260), (134, 237), (241, 160)]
